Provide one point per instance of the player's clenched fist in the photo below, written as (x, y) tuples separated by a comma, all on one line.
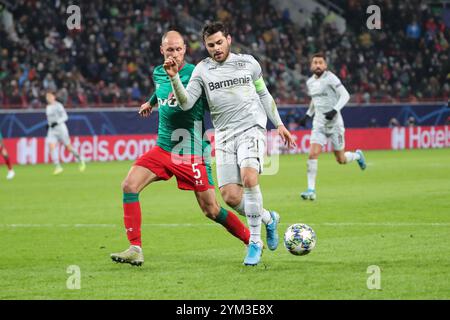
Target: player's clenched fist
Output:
[(171, 66)]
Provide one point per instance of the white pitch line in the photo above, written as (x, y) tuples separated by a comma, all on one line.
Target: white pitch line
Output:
[(49, 225), (386, 224), (185, 225)]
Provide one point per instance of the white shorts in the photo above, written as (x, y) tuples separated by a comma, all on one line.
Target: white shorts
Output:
[(232, 153), (336, 134), (60, 133)]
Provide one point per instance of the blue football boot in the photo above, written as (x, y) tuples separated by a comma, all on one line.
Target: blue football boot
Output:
[(254, 253), (309, 194), (362, 160), (271, 229)]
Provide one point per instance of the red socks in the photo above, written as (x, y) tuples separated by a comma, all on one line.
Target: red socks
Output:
[(7, 161), (234, 226), (132, 218)]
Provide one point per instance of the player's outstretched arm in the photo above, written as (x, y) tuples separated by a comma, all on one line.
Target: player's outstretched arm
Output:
[(186, 97), (268, 102), (272, 112)]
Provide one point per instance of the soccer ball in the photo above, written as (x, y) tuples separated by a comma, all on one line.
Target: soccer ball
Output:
[(300, 239)]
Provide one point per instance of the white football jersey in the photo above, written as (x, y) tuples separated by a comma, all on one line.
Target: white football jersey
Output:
[(324, 94), (233, 101), (55, 113)]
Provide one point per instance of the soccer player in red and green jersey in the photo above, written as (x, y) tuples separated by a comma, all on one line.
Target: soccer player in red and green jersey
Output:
[(5, 155), (181, 150)]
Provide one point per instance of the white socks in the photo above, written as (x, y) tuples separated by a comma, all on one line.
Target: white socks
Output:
[(312, 173), (137, 248), (76, 155), (253, 206), (351, 156), (312, 165), (265, 215), (55, 157)]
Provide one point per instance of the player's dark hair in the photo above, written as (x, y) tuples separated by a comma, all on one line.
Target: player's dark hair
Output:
[(318, 55), (214, 27), (52, 91)]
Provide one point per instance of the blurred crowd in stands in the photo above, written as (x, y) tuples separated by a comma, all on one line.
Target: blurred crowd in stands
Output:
[(109, 61)]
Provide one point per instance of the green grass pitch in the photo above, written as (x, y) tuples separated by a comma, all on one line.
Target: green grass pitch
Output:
[(395, 215)]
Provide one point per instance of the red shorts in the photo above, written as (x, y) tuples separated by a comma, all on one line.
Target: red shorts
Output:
[(191, 171)]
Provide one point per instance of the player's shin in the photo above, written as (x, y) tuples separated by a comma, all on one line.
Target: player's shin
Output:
[(265, 215), (55, 156), (7, 162), (312, 165), (76, 155), (253, 208), (234, 226), (132, 218)]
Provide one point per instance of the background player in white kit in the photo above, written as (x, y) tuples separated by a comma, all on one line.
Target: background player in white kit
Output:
[(57, 132), (328, 96), (239, 103)]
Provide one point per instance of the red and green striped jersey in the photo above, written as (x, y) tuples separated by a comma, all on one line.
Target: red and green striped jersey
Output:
[(180, 132)]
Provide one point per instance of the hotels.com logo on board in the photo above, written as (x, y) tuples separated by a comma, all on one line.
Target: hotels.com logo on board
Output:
[(129, 147), (420, 137)]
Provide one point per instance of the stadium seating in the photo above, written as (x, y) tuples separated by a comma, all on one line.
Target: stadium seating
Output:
[(109, 61)]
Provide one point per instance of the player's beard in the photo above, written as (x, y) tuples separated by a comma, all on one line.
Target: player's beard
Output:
[(223, 56), (318, 72)]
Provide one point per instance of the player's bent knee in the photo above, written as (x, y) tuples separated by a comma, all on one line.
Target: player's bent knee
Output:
[(250, 181), (250, 169), (129, 187), (313, 155)]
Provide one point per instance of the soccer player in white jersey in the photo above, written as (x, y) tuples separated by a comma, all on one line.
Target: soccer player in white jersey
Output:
[(328, 97), (239, 103), (57, 132)]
